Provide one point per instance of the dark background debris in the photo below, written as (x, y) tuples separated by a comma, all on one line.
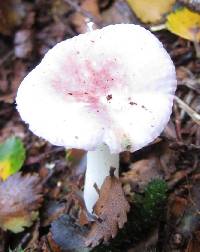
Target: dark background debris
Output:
[(161, 181)]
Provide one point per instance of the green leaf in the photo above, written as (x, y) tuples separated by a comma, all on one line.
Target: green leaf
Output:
[(12, 156)]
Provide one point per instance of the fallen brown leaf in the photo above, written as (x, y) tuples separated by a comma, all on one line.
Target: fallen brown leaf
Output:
[(59, 8), (20, 198), (48, 244), (151, 11), (76, 160), (158, 163), (87, 12), (142, 172), (111, 208), (118, 12), (177, 206), (194, 243), (12, 13)]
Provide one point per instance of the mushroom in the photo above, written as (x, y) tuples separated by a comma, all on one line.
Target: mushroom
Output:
[(106, 91)]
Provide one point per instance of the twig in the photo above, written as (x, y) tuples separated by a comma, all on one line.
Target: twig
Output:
[(156, 28), (112, 171), (90, 217), (177, 123), (96, 188), (190, 196), (48, 244), (25, 239), (6, 57), (191, 83), (179, 177), (42, 156), (192, 113), (188, 99), (197, 49), (187, 147)]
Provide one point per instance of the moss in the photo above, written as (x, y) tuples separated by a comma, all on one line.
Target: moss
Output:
[(150, 206)]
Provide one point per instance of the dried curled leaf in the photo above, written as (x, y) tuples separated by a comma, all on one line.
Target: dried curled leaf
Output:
[(184, 23), (12, 156), (151, 11), (111, 208), (20, 198), (80, 19)]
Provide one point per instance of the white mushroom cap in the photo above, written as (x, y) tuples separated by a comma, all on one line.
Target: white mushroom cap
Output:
[(114, 85)]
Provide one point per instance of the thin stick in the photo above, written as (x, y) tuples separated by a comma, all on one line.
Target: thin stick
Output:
[(6, 57), (158, 28), (192, 113)]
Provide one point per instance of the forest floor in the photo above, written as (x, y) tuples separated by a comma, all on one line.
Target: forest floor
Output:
[(161, 181)]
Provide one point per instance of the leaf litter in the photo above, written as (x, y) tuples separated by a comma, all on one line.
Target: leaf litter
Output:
[(29, 29), (110, 214)]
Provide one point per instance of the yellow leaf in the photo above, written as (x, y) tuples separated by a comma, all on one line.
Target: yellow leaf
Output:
[(17, 224), (151, 11), (5, 169), (184, 23)]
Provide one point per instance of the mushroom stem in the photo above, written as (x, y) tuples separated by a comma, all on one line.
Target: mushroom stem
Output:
[(99, 162)]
